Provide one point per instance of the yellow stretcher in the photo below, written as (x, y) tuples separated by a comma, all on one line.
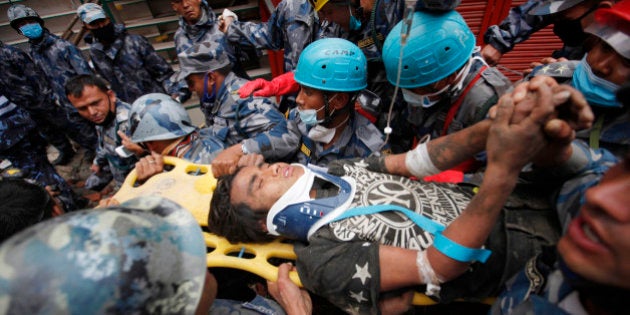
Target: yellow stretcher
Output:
[(191, 185)]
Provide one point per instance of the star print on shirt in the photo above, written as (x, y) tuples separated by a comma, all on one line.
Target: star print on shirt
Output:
[(362, 273), (358, 296)]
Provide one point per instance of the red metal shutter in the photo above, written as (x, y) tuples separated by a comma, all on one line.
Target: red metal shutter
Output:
[(481, 14)]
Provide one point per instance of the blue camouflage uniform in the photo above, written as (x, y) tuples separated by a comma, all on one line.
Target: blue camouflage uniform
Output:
[(254, 121), (292, 26), (24, 84), (201, 147), (360, 138), (614, 130), (109, 140), (205, 30), (518, 26), (22, 145), (541, 285), (60, 61), (133, 67), (475, 103)]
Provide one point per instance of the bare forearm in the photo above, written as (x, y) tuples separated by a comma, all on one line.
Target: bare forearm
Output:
[(472, 228), (448, 151)]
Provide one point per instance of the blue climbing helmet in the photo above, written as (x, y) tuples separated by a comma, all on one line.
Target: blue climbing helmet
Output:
[(18, 12), (157, 116), (439, 44), (332, 64)]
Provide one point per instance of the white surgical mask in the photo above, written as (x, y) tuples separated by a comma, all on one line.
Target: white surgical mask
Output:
[(323, 134)]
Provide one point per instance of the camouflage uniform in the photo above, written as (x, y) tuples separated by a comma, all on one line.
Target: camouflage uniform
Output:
[(541, 285), (360, 138), (292, 26), (475, 103), (518, 26), (146, 256), (24, 83), (255, 121), (615, 125), (108, 141), (133, 67), (201, 147), (26, 150), (205, 30), (60, 61)]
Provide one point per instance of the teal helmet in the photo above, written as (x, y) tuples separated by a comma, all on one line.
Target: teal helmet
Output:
[(332, 64), (438, 45), (145, 256), (157, 116), (18, 12)]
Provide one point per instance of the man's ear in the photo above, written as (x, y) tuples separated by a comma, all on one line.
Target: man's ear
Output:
[(340, 101), (263, 225)]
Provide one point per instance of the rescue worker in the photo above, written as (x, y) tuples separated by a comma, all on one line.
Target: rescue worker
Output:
[(567, 16), (332, 76), (22, 145), (251, 125), (60, 60), (97, 102), (446, 84), (292, 26), (161, 126), (127, 61), (599, 76), (25, 84), (199, 24)]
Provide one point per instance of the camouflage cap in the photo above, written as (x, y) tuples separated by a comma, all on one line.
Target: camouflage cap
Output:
[(547, 7), (90, 12), (201, 58), (157, 116), (17, 12), (146, 256)]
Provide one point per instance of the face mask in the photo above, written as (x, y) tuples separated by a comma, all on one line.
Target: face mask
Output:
[(355, 24), (423, 100), (323, 134), (309, 116), (597, 91), (32, 30), (208, 98), (105, 34)]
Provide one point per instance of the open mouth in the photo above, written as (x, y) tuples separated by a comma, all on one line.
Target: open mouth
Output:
[(589, 233)]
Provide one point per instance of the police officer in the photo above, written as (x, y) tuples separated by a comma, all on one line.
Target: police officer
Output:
[(522, 21), (96, 102), (25, 84), (599, 75), (162, 126), (199, 24), (446, 85), (332, 75), (250, 125), (128, 61), (22, 145), (60, 60)]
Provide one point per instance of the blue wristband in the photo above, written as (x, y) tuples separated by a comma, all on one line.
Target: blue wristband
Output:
[(459, 252)]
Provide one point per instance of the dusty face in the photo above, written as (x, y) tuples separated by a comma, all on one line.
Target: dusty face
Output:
[(310, 98), (190, 10), (597, 243), (608, 64), (261, 186), (94, 104)]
